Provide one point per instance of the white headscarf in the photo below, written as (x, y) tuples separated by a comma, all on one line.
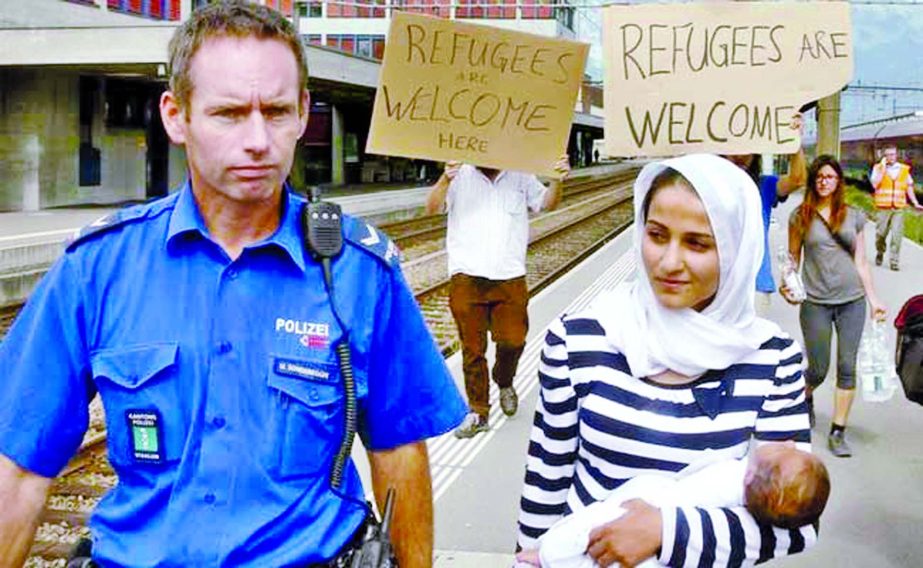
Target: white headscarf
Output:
[(654, 338)]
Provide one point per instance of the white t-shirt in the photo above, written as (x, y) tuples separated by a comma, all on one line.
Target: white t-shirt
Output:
[(488, 222), (719, 484)]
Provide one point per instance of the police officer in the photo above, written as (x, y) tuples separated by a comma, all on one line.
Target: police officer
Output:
[(204, 324)]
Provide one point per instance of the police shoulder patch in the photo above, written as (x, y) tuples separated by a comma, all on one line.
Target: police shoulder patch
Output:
[(106, 223), (371, 239)]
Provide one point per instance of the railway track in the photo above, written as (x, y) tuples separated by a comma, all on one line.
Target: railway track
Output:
[(551, 255), (560, 240), (423, 235), (7, 314)]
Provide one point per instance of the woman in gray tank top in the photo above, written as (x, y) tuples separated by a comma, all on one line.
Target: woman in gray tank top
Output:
[(837, 281)]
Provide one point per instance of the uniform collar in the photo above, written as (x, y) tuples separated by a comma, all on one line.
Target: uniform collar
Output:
[(186, 218)]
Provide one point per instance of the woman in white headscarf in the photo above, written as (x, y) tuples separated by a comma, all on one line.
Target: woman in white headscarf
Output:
[(673, 369)]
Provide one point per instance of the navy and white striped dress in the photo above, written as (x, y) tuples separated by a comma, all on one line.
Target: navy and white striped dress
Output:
[(597, 426)]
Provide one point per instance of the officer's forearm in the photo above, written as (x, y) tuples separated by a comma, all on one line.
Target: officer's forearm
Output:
[(22, 494), (406, 469)]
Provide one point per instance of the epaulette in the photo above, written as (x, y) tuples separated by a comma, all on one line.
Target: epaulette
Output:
[(106, 223), (370, 238)]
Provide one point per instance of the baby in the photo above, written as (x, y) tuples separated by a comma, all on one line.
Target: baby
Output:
[(780, 485)]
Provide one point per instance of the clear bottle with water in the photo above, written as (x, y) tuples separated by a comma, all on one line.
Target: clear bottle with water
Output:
[(790, 275), (876, 366)]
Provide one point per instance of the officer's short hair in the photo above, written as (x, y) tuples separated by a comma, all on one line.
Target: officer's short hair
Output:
[(230, 18)]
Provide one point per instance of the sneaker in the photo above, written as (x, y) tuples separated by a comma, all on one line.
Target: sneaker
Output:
[(509, 401), (472, 425), (895, 266), (838, 444), (879, 258)]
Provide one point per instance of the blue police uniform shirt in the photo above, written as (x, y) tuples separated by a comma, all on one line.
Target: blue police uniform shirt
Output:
[(769, 198), (224, 405)]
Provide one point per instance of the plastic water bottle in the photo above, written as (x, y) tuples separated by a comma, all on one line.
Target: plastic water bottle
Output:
[(790, 275), (876, 367)]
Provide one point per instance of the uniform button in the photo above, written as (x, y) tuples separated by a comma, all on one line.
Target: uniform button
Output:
[(232, 274), (313, 394), (218, 422), (209, 498), (224, 347)]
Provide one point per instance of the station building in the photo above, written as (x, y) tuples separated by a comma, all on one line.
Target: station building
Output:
[(80, 82)]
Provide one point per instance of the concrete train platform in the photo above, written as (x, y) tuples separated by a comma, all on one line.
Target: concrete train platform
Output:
[(875, 513), (356, 199)]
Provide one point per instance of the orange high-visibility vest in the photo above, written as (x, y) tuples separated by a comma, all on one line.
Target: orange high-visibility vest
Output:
[(892, 193)]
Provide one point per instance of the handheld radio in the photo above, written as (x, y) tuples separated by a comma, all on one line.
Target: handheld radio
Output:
[(376, 550), (323, 234)]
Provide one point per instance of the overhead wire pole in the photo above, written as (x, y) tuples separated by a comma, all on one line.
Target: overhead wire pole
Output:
[(828, 125)]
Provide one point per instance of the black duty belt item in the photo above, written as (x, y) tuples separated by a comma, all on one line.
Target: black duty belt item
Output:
[(344, 557), (81, 555)]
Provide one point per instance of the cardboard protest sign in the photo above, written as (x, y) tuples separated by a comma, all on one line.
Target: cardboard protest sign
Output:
[(477, 94), (719, 77)]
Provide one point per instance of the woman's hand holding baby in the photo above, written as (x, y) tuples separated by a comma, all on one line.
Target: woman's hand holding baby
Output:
[(629, 540)]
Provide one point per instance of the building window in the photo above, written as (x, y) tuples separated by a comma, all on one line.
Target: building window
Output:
[(469, 9), (537, 9), (502, 9), (341, 9), (345, 43), (349, 9), (441, 8), (565, 15), (364, 46), (89, 157), (372, 46), (372, 12), (312, 39), (153, 9), (311, 9)]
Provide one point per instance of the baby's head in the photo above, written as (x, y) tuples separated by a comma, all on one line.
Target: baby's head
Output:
[(786, 487)]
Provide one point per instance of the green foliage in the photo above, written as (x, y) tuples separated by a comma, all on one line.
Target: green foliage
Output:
[(860, 199)]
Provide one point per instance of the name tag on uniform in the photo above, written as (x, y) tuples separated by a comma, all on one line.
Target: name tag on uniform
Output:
[(310, 370), (146, 436)]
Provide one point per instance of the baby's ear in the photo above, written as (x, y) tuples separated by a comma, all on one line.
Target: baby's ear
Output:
[(749, 473)]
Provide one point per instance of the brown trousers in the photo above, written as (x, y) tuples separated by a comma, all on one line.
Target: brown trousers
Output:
[(480, 305)]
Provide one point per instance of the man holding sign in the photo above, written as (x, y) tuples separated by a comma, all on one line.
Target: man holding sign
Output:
[(486, 240), (504, 100)]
